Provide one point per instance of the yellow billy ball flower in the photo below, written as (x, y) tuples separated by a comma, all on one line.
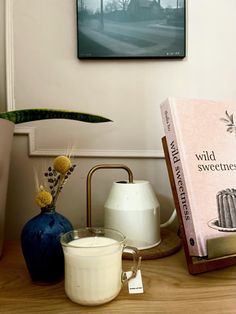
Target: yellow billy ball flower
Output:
[(62, 164), (43, 198)]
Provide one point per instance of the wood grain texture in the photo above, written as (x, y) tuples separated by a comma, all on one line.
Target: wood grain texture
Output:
[(168, 288)]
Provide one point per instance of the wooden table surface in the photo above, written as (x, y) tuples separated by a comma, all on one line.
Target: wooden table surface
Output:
[(168, 288)]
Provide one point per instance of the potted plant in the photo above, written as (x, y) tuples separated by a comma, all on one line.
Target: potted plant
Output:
[(7, 125)]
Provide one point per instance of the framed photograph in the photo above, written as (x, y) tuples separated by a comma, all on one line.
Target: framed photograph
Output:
[(131, 29)]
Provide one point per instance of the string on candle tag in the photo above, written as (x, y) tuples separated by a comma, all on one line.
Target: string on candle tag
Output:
[(135, 285)]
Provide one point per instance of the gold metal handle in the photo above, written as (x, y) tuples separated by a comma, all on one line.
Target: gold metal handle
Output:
[(88, 184)]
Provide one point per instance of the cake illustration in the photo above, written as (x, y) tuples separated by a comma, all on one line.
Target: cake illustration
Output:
[(226, 207)]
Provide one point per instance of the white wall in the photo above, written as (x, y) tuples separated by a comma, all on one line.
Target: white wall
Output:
[(48, 74)]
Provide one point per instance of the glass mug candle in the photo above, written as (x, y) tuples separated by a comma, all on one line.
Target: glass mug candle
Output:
[(93, 264)]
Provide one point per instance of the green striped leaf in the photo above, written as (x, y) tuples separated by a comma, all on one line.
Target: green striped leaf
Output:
[(27, 115)]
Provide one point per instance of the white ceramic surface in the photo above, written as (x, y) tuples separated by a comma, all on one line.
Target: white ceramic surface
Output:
[(133, 209)]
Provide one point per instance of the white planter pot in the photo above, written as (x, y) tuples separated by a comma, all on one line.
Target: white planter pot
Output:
[(6, 137)]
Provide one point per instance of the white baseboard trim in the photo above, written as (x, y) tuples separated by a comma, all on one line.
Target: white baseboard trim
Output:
[(36, 151)]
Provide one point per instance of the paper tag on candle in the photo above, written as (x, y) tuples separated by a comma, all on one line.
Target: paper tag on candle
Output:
[(135, 285)]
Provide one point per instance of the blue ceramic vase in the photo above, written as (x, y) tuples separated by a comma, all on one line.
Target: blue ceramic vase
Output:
[(40, 242)]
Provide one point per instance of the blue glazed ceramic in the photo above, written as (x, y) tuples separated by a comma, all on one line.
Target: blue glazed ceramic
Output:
[(40, 242)]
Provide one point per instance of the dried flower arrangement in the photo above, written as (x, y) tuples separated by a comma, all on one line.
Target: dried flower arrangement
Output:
[(56, 176)]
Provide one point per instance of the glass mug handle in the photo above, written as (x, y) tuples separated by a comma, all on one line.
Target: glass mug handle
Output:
[(136, 263)]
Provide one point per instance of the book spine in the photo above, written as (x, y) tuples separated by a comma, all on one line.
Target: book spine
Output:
[(180, 184)]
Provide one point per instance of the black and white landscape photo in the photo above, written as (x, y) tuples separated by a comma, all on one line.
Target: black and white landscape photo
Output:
[(131, 28)]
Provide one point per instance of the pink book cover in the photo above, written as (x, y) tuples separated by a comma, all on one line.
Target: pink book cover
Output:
[(201, 139)]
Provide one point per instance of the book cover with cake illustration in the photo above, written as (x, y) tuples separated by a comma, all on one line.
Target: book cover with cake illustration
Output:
[(201, 140)]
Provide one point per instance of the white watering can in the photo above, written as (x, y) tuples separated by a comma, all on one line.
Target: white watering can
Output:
[(131, 208)]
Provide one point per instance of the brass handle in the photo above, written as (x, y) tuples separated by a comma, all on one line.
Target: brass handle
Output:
[(88, 183)]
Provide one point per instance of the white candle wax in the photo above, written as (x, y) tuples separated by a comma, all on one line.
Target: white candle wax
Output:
[(93, 268)]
